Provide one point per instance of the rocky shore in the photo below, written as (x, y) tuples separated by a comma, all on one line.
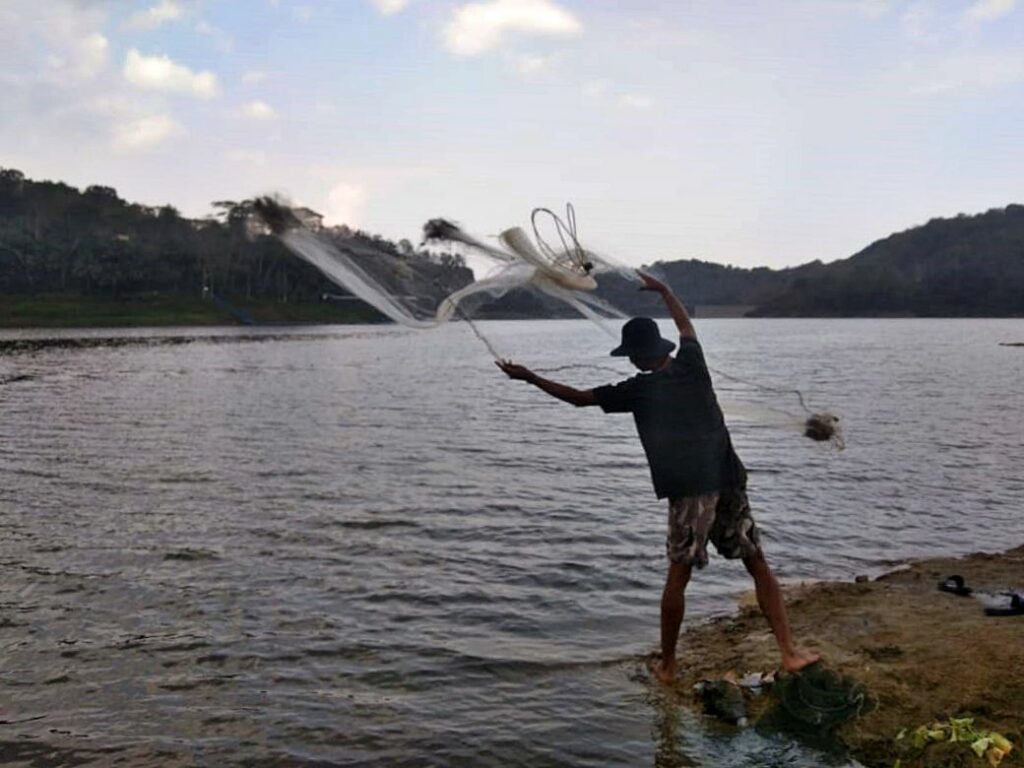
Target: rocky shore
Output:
[(921, 655)]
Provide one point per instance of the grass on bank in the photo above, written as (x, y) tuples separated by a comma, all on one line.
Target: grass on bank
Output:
[(63, 311)]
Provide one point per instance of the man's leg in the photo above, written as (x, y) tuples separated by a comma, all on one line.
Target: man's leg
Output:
[(673, 605), (689, 524), (769, 598)]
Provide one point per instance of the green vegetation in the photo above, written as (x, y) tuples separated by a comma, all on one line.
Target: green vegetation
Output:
[(983, 743), (74, 258), (159, 309), (967, 266), (964, 266), (70, 257)]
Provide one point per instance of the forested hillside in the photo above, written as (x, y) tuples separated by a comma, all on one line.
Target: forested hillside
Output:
[(58, 241), (65, 245), (962, 266)]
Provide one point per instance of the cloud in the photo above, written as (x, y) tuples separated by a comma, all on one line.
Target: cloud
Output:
[(476, 28), (249, 158), (345, 204), (92, 54), (220, 38), (873, 9), (974, 71), (532, 64), (254, 77), (635, 101), (604, 92), (153, 17), (82, 58), (388, 7), (917, 20), (596, 89), (53, 61), (987, 10), (61, 99), (58, 43), (159, 73), (146, 132), (259, 110)]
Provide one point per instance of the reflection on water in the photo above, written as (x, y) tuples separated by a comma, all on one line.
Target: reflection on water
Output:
[(668, 722), (684, 740), (364, 546)]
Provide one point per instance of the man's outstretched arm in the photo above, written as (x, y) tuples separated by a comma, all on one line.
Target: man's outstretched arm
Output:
[(675, 306), (570, 395)]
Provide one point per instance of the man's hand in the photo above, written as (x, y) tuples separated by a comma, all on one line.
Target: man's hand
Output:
[(651, 284), (513, 371), (675, 306), (553, 388)]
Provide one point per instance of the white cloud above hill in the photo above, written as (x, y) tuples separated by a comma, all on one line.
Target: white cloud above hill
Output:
[(146, 132), (345, 203), (259, 110), (155, 16), (790, 132), (388, 7), (476, 28), (79, 58), (160, 73), (987, 10)]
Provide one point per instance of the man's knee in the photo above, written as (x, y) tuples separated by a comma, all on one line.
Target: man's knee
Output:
[(678, 575), (756, 564)]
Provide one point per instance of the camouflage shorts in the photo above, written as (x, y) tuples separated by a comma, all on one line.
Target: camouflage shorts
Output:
[(723, 518)]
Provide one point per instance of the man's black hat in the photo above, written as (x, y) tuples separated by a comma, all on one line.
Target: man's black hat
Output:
[(642, 339)]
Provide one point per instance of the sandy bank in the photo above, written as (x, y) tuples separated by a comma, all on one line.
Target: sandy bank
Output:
[(923, 655)]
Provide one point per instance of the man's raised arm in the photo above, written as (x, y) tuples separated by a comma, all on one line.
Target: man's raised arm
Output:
[(569, 395), (675, 306)]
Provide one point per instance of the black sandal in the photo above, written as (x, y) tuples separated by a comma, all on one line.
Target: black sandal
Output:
[(955, 586)]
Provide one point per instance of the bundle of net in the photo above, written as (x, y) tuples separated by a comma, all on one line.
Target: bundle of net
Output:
[(565, 271), (818, 698), (743, 396)]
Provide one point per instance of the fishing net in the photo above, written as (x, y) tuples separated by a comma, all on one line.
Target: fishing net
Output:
[(824, 427), (820, 426), (552, 264), (391, 285), (816, 700)]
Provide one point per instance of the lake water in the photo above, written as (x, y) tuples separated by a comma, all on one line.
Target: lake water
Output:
[(366, 546)]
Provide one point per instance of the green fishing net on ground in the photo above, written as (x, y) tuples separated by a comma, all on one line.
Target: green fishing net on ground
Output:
[(814, 703)]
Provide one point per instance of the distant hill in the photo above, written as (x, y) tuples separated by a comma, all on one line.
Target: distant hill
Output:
[(56, 240), (964, 266)]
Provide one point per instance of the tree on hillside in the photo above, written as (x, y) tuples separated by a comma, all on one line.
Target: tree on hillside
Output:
[(57, 239)]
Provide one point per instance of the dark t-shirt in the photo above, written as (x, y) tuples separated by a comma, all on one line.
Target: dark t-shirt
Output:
[(680, 425)]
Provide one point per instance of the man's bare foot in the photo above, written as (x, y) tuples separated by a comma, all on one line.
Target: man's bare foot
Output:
[(798, 659), (665, 673)]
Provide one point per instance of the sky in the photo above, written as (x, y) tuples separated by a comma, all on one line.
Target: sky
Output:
[(747, 133)]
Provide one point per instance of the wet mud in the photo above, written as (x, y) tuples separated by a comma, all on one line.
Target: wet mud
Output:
[(921, 655)]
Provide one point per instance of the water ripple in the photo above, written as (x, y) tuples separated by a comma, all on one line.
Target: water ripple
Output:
[(362, 546)]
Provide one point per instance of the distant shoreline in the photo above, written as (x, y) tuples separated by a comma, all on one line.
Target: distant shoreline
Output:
[(167, 310)]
